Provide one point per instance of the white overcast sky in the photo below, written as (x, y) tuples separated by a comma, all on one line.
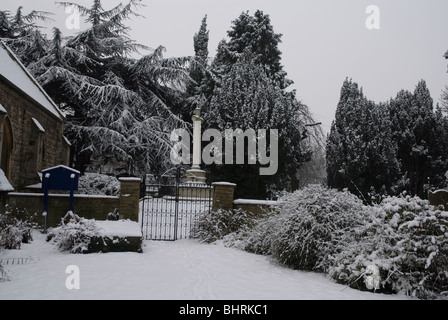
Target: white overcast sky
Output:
[(324, 41)]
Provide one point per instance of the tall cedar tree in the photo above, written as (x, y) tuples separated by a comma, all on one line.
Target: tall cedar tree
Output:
[(120, 109), (22, 34)]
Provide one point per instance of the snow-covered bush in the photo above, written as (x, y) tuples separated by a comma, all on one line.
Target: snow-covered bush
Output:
[(3, 274), (13, 232), (99, 184), (74, 234), (216, 225), (257, 239), (311, 224), (305, 227), (407, 239)]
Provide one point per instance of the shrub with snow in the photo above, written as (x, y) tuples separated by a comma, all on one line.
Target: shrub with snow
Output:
[(310, 225), (407, 239), (399, 245), (216, 225), (74, 234), (304, 229), (99, 184), (13, 232), (3, 274), (257, 239)]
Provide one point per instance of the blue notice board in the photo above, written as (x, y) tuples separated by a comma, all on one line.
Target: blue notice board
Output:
[(60, 178)]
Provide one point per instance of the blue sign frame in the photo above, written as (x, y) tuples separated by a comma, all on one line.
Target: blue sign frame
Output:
[(60, 178)]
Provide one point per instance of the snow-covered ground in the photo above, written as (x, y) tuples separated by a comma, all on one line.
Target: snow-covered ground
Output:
[(182, 270)]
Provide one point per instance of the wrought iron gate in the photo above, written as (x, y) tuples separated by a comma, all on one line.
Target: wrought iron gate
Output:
[(170, 209)]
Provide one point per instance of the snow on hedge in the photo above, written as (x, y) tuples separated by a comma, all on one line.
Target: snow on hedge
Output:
[(99, 184), (407, 239), (403, 239)]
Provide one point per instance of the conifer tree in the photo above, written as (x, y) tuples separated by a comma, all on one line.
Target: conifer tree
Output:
[(23, 34), (248, 99), (198, 70), (201, 42), (445, 92), (245, 87), (119, 109), (417, 130), (360, 154)]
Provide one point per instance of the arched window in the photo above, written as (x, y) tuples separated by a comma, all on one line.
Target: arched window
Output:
[(7, 145)]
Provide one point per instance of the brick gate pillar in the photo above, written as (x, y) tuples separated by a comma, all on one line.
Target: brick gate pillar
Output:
[(223, 195), (129, 198)]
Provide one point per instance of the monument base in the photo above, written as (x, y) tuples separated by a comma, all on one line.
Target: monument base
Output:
[(195, 186), (196, 176)]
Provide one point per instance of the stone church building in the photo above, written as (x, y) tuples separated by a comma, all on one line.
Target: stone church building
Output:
[(31, 125)]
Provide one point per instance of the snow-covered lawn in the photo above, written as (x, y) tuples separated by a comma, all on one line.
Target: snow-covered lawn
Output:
[(182, 270)]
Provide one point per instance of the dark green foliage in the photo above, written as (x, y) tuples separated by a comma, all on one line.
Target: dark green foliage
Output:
[(360, 153), (245, 87), (376, 149)]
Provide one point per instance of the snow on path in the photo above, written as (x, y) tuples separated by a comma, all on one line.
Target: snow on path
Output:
[(182, 270)]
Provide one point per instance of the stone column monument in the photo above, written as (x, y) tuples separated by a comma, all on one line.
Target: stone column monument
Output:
[(195, 174)]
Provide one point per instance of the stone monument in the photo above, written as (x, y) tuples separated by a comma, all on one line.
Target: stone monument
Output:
[(195, 174), (195, 186)]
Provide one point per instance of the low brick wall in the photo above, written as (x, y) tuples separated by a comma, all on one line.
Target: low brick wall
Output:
[(86, 206), (439, 197), (256, 207), (223, 198)]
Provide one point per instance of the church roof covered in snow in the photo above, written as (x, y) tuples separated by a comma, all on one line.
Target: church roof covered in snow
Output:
[(13, 71)]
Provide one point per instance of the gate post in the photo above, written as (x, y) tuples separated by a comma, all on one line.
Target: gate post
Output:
[(223, 195), (129, 198)]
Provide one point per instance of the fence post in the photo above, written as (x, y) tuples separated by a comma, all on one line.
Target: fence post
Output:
[(129, 198), (223, 195)]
